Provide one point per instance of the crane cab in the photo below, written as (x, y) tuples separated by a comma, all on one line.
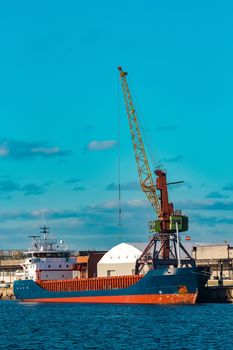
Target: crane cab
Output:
[(181, 220)]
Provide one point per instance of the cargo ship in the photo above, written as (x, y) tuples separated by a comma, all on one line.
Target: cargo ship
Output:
[(48, 276)]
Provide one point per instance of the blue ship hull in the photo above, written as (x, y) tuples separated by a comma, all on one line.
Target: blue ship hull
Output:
[(162, 286)]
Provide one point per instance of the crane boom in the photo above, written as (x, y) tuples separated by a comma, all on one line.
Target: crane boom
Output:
[(144, 172)]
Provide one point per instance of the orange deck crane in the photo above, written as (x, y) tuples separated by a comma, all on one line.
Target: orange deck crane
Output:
[(157, 194)]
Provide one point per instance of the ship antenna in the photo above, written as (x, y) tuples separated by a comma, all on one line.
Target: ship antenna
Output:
[(42, 212), (43, 229)]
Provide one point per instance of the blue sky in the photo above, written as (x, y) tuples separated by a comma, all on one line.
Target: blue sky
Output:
[(59, 111)]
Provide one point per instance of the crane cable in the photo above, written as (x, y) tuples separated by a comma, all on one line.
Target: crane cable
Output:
[(119, 155)]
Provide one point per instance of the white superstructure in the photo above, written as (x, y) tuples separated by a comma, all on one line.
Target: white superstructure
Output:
[(47, 259)]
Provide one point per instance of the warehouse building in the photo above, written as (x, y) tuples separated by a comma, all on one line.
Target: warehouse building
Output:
[(87, 263), (219, 257), (119, 261)]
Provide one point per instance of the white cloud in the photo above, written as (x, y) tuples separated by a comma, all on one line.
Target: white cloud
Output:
[(48, 150), (138, 203), (101, 145), (4, 150), (25, 150)]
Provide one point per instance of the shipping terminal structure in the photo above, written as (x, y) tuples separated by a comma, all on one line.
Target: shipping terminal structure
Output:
[(165, 273)]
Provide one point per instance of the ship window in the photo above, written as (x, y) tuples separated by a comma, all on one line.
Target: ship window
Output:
[(62, 275), (59, 265), (67, 266), (49, 265), (110, 273), (47, 276)]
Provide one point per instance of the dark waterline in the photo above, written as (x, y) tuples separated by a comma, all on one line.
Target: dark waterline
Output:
[(85, 326)]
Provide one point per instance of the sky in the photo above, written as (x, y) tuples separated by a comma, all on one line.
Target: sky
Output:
[(64, 124)]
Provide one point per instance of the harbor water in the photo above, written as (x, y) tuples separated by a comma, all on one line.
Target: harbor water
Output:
[(86, 326)]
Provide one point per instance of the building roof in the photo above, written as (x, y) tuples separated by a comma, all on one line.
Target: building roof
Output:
[(82, 259), (121, 253), (225, 244)]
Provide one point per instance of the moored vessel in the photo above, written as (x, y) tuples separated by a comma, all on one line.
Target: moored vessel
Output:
[(48, 276), (164, 286)]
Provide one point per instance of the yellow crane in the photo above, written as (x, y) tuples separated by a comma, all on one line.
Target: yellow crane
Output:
[(168, 217), (144, 172)]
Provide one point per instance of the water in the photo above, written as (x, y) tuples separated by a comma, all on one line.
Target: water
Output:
[(85, 326)]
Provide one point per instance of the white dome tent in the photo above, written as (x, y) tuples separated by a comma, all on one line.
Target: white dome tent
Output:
[(119, 261)]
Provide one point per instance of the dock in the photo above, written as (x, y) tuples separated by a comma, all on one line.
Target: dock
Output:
[(216, 294)]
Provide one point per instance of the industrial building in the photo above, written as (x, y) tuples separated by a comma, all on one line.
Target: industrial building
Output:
[(219, 257), (119, 261), (87, 263), (10, 262)]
